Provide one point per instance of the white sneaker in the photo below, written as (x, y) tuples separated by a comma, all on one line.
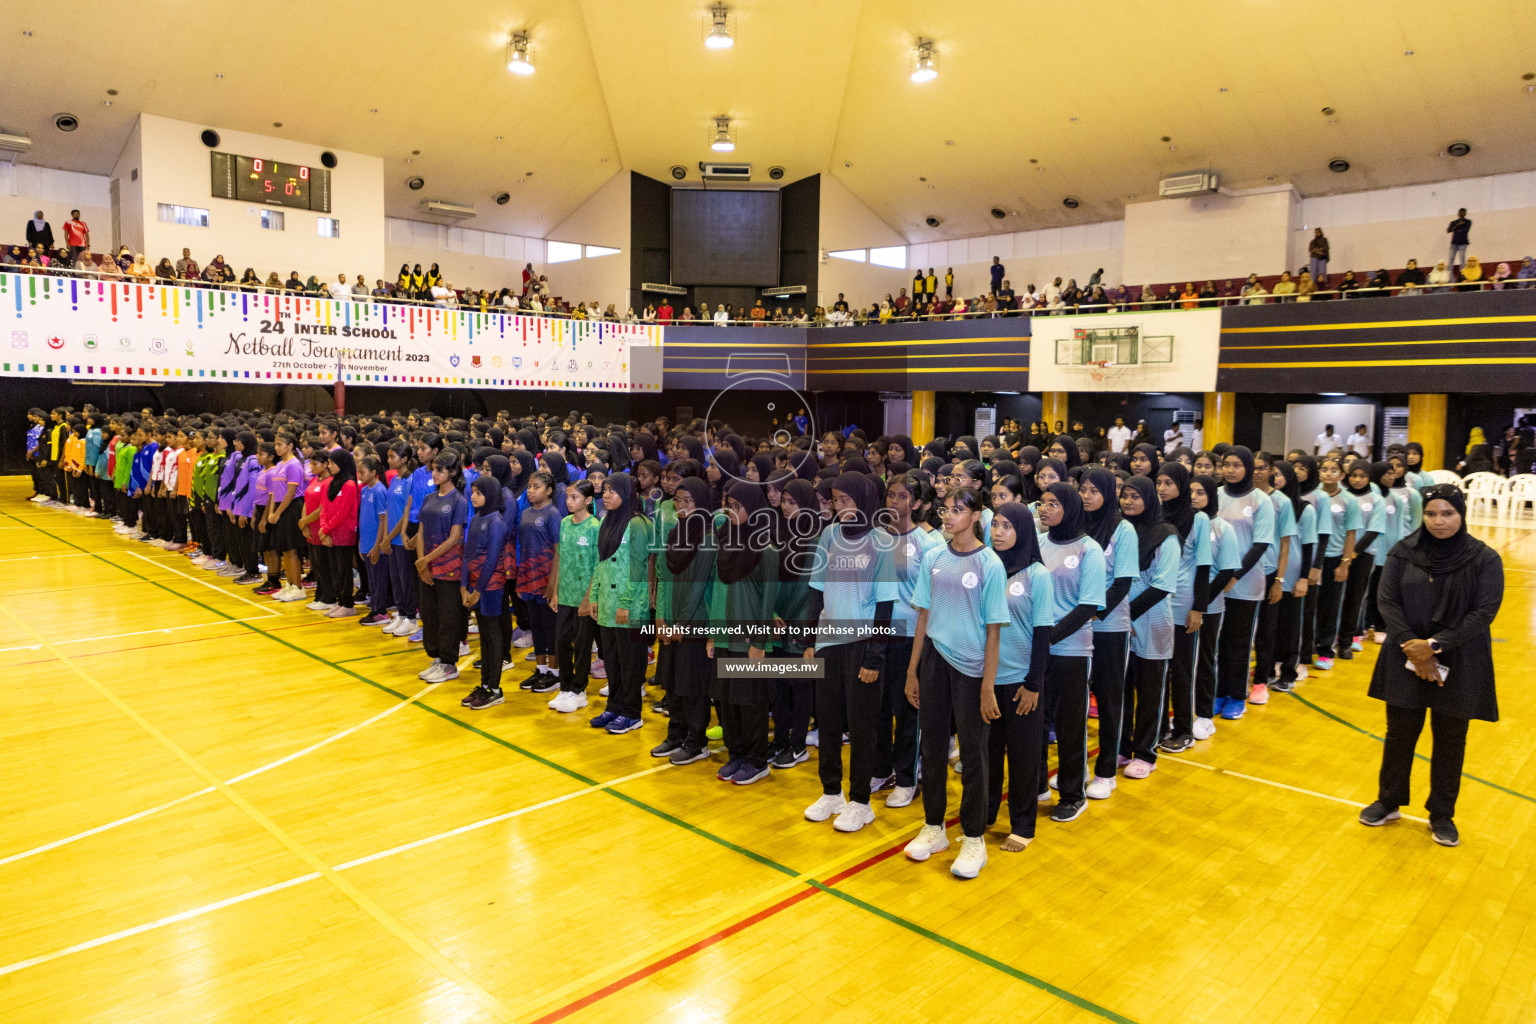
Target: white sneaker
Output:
[(854, 817), (826, 806), (431, 672), (474, 629), (569, 700), (954, 747), (1380, 637), (901, 796), (450, 671), (931, 840), (405, 628), (973, 857), (506, 666), (522, 638), (1203, 729), (1301, 672), (603, 692), (341, 612), (289, 593), (1053, 781), (813, 738), (463, 649), (1100, 788)]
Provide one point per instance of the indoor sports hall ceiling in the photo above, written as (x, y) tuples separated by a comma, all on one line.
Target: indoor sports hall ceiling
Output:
[(1033, 102)]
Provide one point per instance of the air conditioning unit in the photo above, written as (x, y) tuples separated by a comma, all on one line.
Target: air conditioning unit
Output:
[(726, 172), (1198, 183), (14, 143), (784, 290), (662, 289), (438, 208)]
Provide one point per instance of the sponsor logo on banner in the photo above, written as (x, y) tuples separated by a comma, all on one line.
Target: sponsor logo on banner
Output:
[(91, 342), (474, 361), (55, 342), (18, 339), (453, 360)]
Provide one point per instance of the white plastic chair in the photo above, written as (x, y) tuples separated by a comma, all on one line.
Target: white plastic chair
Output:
[(1521, 492), (1445, 476), (1488, 492)]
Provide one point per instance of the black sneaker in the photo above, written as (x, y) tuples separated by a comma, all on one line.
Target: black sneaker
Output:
[(666, 748), (246, 580), (482, 698), (784, 757), (1443, 831), (660, 707), (1176, 744), (688, 753), (536, 679), (1282, 685), (1345, 654), (1379, 813), (1065, 812), (543, 682), (476, 663)]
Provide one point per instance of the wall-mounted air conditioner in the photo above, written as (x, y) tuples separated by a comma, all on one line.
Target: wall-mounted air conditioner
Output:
[(784, 290), (1197, 183), (438, 208), (662, 289), (14, 143), (726, 172)]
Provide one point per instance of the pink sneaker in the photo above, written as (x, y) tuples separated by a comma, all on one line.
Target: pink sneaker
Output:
[(1259, 694), (1139, 769), (1122, 760), (598, 670)]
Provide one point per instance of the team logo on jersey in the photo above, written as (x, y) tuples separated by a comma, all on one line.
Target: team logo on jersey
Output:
[(969, 581), (1071, 561), (1391, 510), (1016, 588), (861, 562), (1247, 511), (911, 549), (1338, 510), (937, 570), (581, 542)]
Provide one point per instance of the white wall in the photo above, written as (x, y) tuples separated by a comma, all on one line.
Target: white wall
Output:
[(1028, 257), (846, 223), (1386, 227), (469, 258), (176, 170), (604, 219), (1208, 237), (128, 174), (25, 189)]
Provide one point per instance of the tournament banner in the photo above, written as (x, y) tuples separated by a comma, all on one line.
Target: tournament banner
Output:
[(80, 329)]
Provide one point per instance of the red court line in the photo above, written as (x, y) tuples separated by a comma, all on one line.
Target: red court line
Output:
[(656, 967)]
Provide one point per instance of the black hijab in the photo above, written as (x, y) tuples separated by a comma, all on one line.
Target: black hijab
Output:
[(1292, 487), (526, 467), (1152, 457), (908, 449), (1243, 486), (501, 470), (1445, 559), (1370, 471), (615, 521), (1026, 549), (764, 463), (1072, 525), (855, 464), (693, 447), (491, 489), (1101, 522), (1151, 531), (866, 498), (555, 463), (347, 470), (801, 533), (742, 545), (685, 538), (1068, 446), (1212, 495), (1310, 484), (1178, 512)]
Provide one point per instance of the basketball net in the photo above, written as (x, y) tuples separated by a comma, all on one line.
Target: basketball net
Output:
[(1098, 370)]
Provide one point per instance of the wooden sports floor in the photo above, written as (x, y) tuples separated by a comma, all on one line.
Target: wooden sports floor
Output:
[(217, 808)]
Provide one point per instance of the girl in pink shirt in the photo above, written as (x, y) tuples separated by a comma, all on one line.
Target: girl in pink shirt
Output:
[(337, 532)]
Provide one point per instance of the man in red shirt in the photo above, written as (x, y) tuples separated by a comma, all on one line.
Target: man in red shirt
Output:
[(664, 314), (77, 234)]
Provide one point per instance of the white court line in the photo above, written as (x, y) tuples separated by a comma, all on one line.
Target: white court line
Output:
[(209, 908), (206, 908), (137, 632), (55, 844), (267, 610), (1277, 785), (64, 554)]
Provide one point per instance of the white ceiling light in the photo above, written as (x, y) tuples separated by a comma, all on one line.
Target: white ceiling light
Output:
[(724, 142), (925, 67), (520, 55), (719, 37)]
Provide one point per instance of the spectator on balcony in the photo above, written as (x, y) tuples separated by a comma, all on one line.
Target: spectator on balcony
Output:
[(686, 317), (249, 282), (1254, 293), (442, 292), (403, 281), (996, 270), (580, 312), (1208, 294), (360, 287), (1317, 255), (273, 283), (1460, 231), (1285, 287), (1526, 275), (1051, 292), (1007, 299), (63, 262), (1304, 287), (901, 302), (1030, 300), (949, 283), (434, 277), (218, 272), (315, 288), (723, 315), (1071, 295), (1347, 285), (140, 271), (1471, 275), (665, 312), (185, 262), (1148, 298), (1189, 298), (931, 285), (841, 305), (339, 289), (1119, 298), (380, 289), (1097, 299), (1097, 277), (1500, 275), (77, 234), (165, 273), (612, 315), (535, 305), (39, 231), (107, 270), (1439, 279), (527, 278)]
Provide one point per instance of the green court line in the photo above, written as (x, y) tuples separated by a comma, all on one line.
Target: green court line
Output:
[(974, 954), (1381, 739)]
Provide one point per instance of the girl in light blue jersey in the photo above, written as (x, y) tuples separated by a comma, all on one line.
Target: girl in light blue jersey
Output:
[(1296, 581), (1190, 598), (1309, 487), (1276, 564), (1099, 490), (1226, 559), (1150, 604), (1251, 515), (1360, 481)]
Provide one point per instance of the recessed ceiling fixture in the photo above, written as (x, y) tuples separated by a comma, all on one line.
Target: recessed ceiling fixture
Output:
[(1459, 148), (724, 141), (1338, 165), (1528, 76), (277, 124), (925, 64), (111, 92), (218, 74), (26, 32), (1167, 138), (1327, 111), (519, 54), (1407, 53), (373, 110), (719, 37)]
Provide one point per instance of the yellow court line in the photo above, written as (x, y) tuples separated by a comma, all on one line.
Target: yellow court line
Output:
[(444, 965), (1372, 324), (55, 844), (1277, 785), (267, 609), (917, 343), (1378, 344), (1506, 361)]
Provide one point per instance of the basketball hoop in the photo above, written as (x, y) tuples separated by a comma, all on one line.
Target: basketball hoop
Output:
[(1098, 370)]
